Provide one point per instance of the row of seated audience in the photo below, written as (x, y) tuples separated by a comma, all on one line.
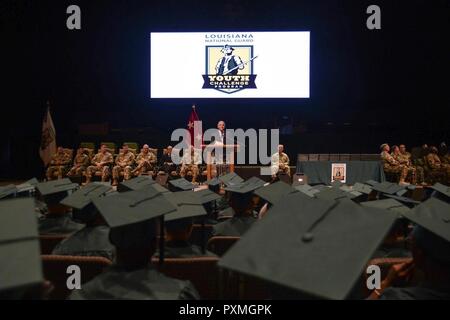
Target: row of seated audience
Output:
[(126, 164), (124, 227), (426, 166)]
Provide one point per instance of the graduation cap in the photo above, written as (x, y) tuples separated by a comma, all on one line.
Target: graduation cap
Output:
[(389, 188), (54, 191), (442, 191), (131, 217), (160, 188), (318, 257), (206, 196), (7, 191), (244, 187), (320, 187), (181, 184), (372, 182), (81, 201), (405, 200), (230, 179), (332, 194), (28, 187), (20, 255), (213, 184), (307, 189), (432, 232), (362, 188), (386, 204), (137, 183), (275, 191)]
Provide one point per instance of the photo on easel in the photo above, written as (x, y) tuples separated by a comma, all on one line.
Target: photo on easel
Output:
[(338, 172)]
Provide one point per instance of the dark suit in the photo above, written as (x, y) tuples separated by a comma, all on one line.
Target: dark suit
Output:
[(60, 224)]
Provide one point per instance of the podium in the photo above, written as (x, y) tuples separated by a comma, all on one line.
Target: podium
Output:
[(228, 148)]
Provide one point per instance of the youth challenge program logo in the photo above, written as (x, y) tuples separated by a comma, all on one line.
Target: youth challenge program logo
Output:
[(229, 68)]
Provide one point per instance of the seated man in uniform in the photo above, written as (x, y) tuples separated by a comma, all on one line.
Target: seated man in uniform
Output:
[(93, 239), (444, 154), (58, 163), (190, 162), (145, 161), (101, 162), (280, 162), (132, 217), (398, 157), (80, 163), (404, 157), (124, 163), (435, 164), (390, 165)]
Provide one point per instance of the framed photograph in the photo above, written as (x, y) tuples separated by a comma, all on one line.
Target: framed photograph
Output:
[(339, 172)]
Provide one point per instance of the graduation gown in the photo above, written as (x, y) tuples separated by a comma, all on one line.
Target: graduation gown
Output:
[(234, 227), (89, 241), (141, 284), (183, 249), (61, 224)]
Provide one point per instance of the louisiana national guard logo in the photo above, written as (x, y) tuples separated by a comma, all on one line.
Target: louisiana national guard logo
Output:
[(229, 68)]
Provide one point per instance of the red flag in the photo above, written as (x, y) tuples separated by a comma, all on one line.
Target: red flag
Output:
[(193, 117)]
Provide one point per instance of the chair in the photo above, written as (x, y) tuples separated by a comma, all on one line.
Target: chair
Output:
[(201, 271), (111, 146), (55, 270), (87, 145), (49, 241), (132, 145), (220, 244), (243, 287)]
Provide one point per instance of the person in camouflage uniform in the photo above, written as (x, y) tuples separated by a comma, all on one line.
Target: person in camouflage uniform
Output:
[(390, 165), (80, 163), (404, 157), (443, 154), (58, 163), (101, 162), (124, 163), (280, 162), (435, 164), (190, 162), (145, 160)]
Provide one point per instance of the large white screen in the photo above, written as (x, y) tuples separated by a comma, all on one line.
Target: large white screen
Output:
[(229, 65)]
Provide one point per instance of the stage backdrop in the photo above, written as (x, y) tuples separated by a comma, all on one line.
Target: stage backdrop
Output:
[(229, 65)]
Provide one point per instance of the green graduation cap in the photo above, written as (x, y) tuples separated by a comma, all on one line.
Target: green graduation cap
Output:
[(7, 191), (307, 189), (230, 179), (187, 203), (132, 207), (372, 182), (81, 201), (432, 232), (442, 191), (275, 191), (206, 196), (160, 188), (389, 188), (20, 256), (28, 187), (54, 191), (387, 204), (213, 184), (137, 183), (405, 200), (181, 184), (318, 257), (332, 194), (362, 188), (243, 187)]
